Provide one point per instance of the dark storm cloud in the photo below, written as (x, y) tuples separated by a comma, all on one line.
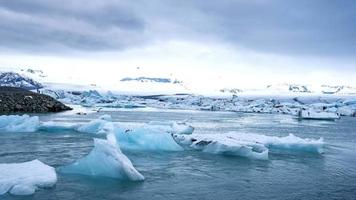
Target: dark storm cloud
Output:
[(310, 27)]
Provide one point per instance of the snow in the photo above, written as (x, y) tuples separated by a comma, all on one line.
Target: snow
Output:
[(18, 123), (12, 79), (106, 159), (25, 178), (252, 146)]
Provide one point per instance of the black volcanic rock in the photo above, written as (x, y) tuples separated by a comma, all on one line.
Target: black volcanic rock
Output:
[(20, 100)]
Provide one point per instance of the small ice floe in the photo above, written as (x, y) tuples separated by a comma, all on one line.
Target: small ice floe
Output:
[(252, 146), (317, 115), (19, 123), (25, 178), (106, 160)]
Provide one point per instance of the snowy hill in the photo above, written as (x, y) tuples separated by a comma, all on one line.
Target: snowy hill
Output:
[(12, 79)]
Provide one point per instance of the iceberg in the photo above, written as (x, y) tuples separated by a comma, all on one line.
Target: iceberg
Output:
[(317, 115), (95, 126), (25, 178), (146, 139), (253, 146), (218, 144), (171, 127), (52, 126), (106, 160), (18, 123)]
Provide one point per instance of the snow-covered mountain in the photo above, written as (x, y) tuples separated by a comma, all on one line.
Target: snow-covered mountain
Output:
[(289, 88), (13, 79), (231, 90), (327, 89), (152, 85)]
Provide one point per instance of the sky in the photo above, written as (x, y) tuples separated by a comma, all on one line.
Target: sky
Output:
[(208, 44)]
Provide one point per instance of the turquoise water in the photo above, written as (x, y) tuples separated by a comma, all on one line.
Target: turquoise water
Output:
[(197, 175)]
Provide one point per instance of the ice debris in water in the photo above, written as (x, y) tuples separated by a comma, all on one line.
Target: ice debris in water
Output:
[(25, 178), (248, 145), (106, 159), (18, 123)]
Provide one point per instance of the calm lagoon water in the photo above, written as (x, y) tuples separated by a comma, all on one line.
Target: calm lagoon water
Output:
[(197, 175)]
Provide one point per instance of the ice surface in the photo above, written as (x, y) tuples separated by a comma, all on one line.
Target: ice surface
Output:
[(320, 115), (52, 126), (25, 178), (18, 123), (220, 144), (253, 146), (171, 127), (106, 159)]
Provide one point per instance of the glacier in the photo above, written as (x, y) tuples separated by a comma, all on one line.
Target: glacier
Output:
[(19, 123), (25, 178), (106, 160), (252, 146)]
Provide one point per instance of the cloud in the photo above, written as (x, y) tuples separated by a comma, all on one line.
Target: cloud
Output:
[(304, 27)]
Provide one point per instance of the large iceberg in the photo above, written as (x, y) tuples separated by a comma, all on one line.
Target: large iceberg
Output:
[(171, 127), (25, 178), (146, 139), (18, 123), (253, 146), (106, 159)]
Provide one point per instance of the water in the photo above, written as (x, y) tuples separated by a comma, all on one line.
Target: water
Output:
[(197, 175)]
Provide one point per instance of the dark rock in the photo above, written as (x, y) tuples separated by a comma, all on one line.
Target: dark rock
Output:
[(21, 100)]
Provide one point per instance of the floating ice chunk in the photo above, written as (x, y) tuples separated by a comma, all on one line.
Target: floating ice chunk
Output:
[(106, 159), (248, 145), (220, 144), (312, 114), (171, 127), (346, 111), (95, 126), (288, 144), (51, 126), (25, 178), (146, 139), (18, 123)]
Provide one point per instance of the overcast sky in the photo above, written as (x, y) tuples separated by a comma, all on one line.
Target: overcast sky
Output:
[(232, 43)]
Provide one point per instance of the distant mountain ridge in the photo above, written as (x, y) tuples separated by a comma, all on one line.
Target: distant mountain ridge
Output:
[(12, 79), (150, 79)]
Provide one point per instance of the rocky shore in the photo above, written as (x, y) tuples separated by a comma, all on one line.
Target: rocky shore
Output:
[(20, 100)]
